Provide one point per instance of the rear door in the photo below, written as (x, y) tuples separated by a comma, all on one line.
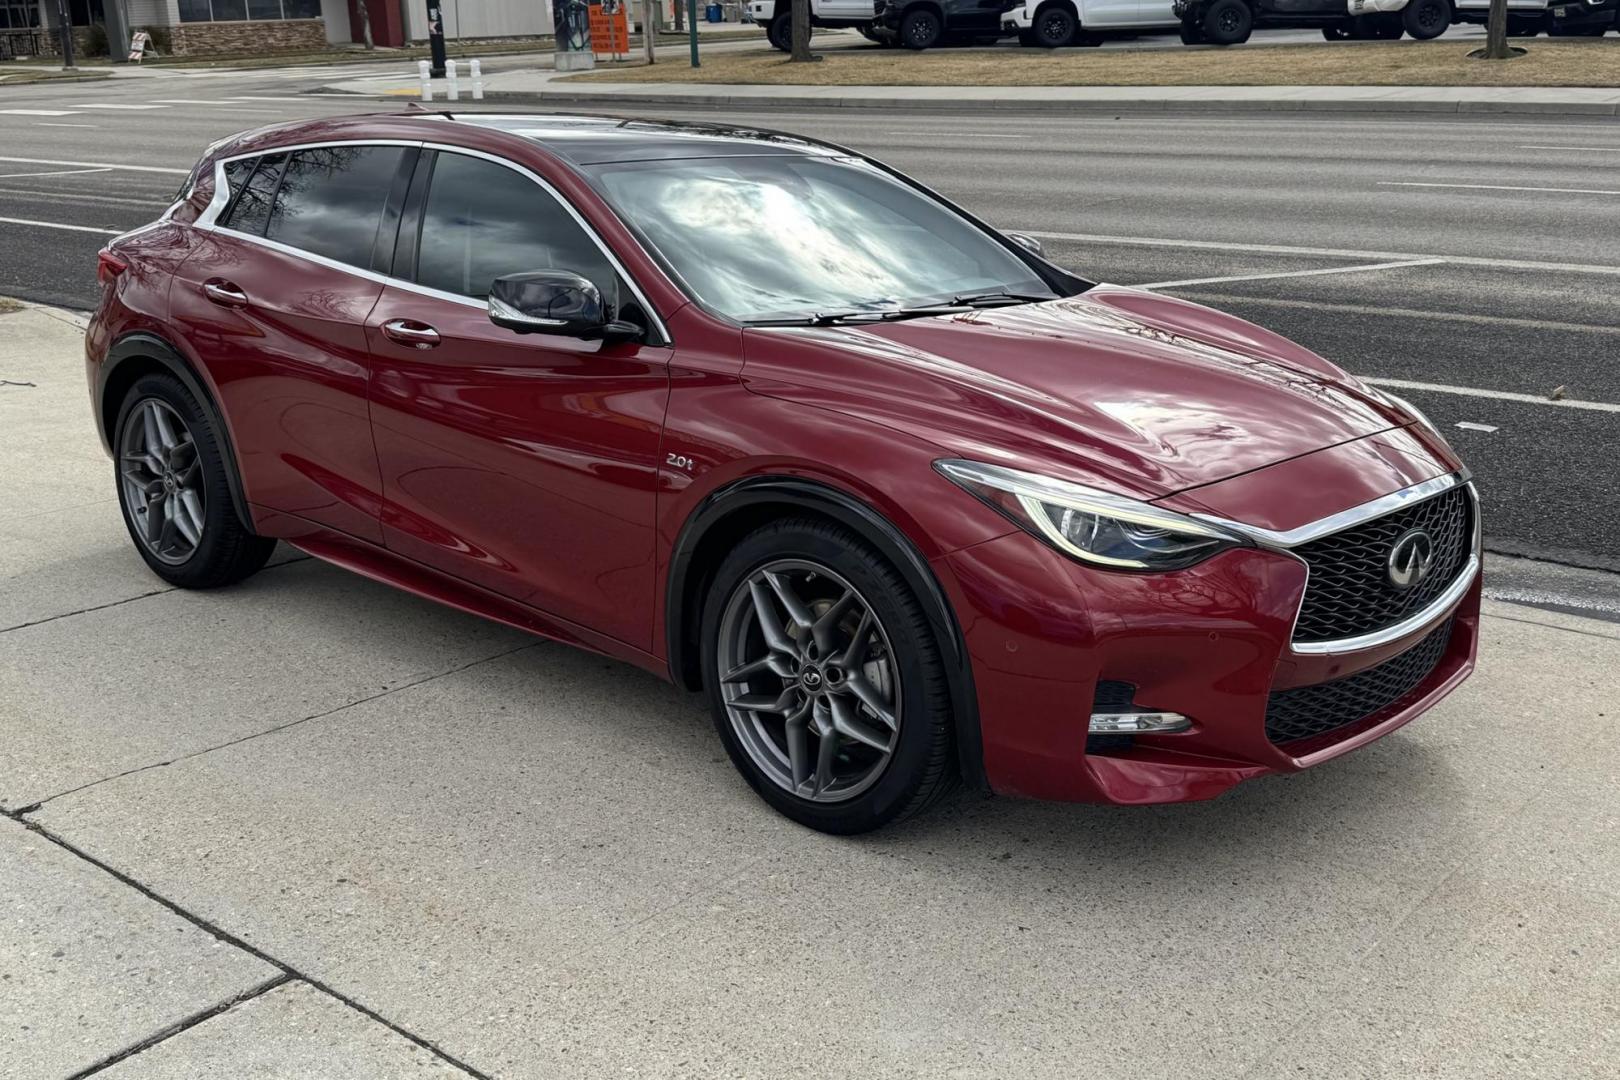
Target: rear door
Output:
[(525, 464), (274, 301)]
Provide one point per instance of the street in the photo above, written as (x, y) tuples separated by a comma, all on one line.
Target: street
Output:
[(1473, 254), (312, 826)]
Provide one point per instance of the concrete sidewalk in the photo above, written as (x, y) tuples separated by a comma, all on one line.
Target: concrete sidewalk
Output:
[(312, 827), (532, 86)]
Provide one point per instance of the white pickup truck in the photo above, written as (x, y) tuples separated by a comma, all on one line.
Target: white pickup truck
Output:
[(1053, 24), (777, 19)]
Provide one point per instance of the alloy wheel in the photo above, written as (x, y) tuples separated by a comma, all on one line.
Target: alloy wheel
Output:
[(162, 478), (809, 680)]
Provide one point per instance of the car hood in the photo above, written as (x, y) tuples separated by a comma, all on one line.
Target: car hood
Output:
[(1141, 393)]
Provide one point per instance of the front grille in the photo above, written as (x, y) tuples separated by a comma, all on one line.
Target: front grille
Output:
[(1349, 591), (1304, 711)]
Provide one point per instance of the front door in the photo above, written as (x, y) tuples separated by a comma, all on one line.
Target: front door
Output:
[(523, 463)]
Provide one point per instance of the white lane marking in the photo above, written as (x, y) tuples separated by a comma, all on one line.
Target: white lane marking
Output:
[(1469, 425), (98, 165), (249, 97), (960, 134), (1495, 395), (1292, 273), (53, 172), (47, 123), (185, 101), (1346, 253), (1586, 149), (1501, 187), (116, 105), (59, 225), (35, 112), (1384, 312)]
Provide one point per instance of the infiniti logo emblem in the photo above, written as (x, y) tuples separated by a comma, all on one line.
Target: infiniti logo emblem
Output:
[(1411, 558)]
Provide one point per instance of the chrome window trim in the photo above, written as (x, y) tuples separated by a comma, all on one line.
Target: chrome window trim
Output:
[(216, 206), (1439, 608)]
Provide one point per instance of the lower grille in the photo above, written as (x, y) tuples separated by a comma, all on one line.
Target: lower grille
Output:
[(1304, 711)]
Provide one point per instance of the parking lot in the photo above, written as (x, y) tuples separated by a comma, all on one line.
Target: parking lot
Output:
[(326, 829)]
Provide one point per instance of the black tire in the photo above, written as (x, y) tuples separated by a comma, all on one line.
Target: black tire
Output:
[(1227, 22), (921, 29), (1055, 26), (1426, 19), (921, 766), (780, 32), (1192, 34), (227, 550), (1335, 33)]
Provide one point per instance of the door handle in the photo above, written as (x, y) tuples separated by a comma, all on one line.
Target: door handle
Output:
[(408, 332), (224, 293)]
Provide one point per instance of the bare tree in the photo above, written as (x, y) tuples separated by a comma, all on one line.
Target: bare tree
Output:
[(365, 23), (1496, 46), (801, 33)]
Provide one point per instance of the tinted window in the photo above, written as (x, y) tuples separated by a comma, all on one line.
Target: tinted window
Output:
[(332, 199), (252, 206), (483, 220)]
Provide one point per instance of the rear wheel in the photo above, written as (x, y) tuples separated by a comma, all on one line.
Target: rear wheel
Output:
[(920, 29), (1055, 26), (780, 32), (1227, 22), (173, 490), (825, 679), (1425, 19)]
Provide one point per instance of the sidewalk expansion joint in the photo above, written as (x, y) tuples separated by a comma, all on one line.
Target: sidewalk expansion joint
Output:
[(288, 972)]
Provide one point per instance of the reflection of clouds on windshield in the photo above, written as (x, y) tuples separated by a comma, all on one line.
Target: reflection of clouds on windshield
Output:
[(785, 236)]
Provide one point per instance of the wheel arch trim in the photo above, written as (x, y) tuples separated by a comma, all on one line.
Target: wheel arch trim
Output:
[(145, 345), (873, 527)]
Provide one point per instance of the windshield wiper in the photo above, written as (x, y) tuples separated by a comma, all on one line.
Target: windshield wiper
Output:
[(845, 318), (997, 299)]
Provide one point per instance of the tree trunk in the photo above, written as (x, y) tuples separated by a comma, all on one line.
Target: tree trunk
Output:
[(365, 24), (680, 16), (649, 27), (1496, 46), (801, 33)]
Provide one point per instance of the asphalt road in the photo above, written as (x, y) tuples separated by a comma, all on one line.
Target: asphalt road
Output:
[(1504, 235)]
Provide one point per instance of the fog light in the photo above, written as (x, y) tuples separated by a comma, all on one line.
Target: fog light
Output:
[(1134, 723)]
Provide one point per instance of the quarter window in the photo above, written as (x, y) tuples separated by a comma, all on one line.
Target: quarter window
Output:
[(251, 208), (331, 200), (482, 221)]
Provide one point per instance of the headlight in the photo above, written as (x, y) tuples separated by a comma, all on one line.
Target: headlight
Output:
[(1090, 525)]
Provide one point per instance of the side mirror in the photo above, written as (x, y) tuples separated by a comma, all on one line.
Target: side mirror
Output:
[(1027, 242), (556, 302)]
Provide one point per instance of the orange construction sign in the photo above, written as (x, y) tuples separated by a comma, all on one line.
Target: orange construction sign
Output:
[(610, 29)]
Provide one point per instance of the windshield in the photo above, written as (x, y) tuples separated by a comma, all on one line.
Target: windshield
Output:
[(768, 238)]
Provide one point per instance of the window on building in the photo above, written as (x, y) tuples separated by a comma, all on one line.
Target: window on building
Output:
[(237, 10), (331, 200), (19, 15), (483, 221)]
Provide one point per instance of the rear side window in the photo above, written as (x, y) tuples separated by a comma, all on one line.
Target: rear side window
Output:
[(250, 208), (483, 221), (331, 200)]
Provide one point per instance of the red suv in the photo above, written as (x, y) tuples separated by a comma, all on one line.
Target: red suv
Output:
[(910, 503)]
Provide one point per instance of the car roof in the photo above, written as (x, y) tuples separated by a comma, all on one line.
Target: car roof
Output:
[(594, 140)]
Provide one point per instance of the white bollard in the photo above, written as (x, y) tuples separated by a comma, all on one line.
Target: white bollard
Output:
[(427, 80), (451, 92), (477, 80)]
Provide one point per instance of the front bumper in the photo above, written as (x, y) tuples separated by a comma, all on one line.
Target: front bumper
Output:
[(1213, 642)]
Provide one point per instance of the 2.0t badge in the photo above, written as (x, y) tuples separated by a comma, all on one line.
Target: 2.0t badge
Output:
[(1411, 558)]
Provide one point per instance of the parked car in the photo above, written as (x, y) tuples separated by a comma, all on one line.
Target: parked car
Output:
[(1229, 22), (907, 501), (1526, 18), (776, 16), (1583, 18), (922, 24), (1052, 24)]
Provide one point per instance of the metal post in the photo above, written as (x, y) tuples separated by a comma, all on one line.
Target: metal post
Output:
[(67, 33), (436, 37), (691, 23)]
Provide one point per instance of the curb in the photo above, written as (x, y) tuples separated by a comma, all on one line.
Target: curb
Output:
[(1018, 104)]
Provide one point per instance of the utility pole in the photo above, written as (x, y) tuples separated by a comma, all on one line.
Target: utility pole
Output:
[(691, 28), (649, 27), (66, 22), (436, 38)]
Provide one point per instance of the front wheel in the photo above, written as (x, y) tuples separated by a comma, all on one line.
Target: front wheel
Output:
[(173, 490), (825, 679), (780, 32), (1227, 22), (920, 29), (1425, 19), (1054, 27)]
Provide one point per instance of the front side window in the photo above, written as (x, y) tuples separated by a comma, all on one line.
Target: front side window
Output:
[(786, 236), (482, 221), (331, 200)]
